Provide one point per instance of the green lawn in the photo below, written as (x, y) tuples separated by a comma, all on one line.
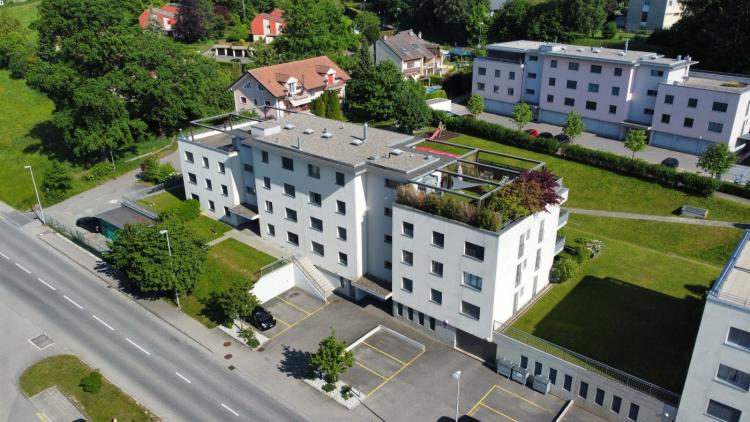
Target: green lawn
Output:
[(596, 188), (636, 307), (228, 262), (208, 228), (24, 12), (164, 200), (66, 371)]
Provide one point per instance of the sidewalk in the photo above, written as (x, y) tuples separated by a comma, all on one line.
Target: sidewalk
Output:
[(666, 219)]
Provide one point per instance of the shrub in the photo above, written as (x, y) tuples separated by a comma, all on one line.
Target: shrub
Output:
[(610, 30), (436, 94), (499, 134), (100, 172), (735, 189), (436, 79), (185, 211), (475, 105), (564, 267), (166, 172), (458, 83), (150, 168), (248, 334), (91, 383), (328, 387), (346, 392)]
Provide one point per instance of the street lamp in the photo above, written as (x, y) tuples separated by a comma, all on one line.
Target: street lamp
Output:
[(36, 191), (165, 232), (457, 376)]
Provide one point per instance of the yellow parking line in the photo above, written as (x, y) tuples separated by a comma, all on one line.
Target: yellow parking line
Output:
[(525, 399), (297, 322), (282, 321), (498, 412), (476, 405), (363, 366), (42, 417), (293, 305), (395, 373), (378, 350)]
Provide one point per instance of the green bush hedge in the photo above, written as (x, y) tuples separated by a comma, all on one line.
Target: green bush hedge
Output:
[(734, 189), (436, 94), (499, 134), (185, 211)]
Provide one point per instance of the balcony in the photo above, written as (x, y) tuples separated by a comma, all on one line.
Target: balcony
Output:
[(559, 244), (563, 220), (562, 191)]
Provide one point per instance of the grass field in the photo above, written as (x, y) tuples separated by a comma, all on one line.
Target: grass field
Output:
[(24, 12), (600, 189), (228, 262), (66, 371), (208, 228), (636, 307), (164, 200)]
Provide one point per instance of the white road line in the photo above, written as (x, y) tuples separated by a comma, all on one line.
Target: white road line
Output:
[(103, 323), (139, 347), (73, 302), (229, 409), (46, 284), (4, 255), (183, 378), (23, 268)]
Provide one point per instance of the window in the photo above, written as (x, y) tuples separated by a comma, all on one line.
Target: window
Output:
[(192, 179), (537, 368), (570, 102), (567, 382), (224, 190), (227, 212), (341, 207), (343, 259), (739, 338), (495, 89), (388, 239), (552, 81), (531, 75), (571, 84), (473, 281), (482, 71), (387, 264), (583, 389), (599, 397), (497, 73), (633, 412), (407, 229), (669, 99), (591, 105), (432, 323), (471, 311), (292, 238), (658, 73), (316, 224), (644, 18), (692, 102), (474, 251), (615, 91), (723, 412), (512, 75), (438, 239), (400, 309), (519, 268), (287, 163), (437, 268), (720, 107), (313, 171), (249, 168), (243, 100), (648, 111), (315, 198), (651, 93), (436, 296), (410, 312), (340, 178), (264, 156), (270, 230), (665, 118), (407, 285), (595, 68), (530, 92), (407, 257), (715, 127), (616, 403), (550, 98), (205, 162), (734, 377), (420, 318), (618, 71), (260, 87), (553, 375), (291, 214), (269, 207), (480, 86), (317, 248), (211, 206), (524, 362), (391, 184), (194, 196), (553, 64), (189, 157), (387, 211), (341, 233), (289, 190), (533, 58), (573, 66), (510, 91), (538, 262), (209, 185), (521, 245), (612, 109), (267, 182), (688, 122)]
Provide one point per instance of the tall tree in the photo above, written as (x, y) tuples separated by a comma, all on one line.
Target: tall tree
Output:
[(411, 111), (475, 104), (573, 126), (635, 141), (314, 28), (333, 106), (56, 181), (194, 20), (332, 358), (368, 24), (717, 159), (585, 16), (236, 302), (521, 115), (360, 89), (374, 95)]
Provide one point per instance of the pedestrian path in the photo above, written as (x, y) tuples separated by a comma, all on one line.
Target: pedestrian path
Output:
[(663, 218)]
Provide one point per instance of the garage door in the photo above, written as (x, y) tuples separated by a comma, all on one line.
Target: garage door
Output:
[(677, 143), (476, 346)]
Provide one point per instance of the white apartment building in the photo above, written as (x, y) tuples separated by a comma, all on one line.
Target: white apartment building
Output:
[(718, 380), (652, 14), (326, 192), (616, 90)]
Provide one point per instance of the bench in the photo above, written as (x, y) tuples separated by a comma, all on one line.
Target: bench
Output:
[(693, 212)]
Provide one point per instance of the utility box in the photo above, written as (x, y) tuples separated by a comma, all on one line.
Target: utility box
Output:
[(520, 375), (541, 384), (505, 367)]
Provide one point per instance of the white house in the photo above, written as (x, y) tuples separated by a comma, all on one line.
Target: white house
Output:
[(411, 54), (652, 14)]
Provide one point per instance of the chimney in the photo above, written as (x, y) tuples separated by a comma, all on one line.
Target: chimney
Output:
[(364, 137), (299, 143), (420, 34), (627, 41)]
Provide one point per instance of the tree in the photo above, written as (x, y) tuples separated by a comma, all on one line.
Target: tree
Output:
[(360, 88), (56, 180), (477, 24), (318, 106), (610, 30), (237, 301), (368, 24), (91, 383), (585, 16), (635, 141), (573, 125), (411, 111), (717, 159), (194, 20), (332, 105), (150, 168), (314, 28), (475, 104), (373, 95), (332, 358), (265, 54), (521, 115), (142, 254)]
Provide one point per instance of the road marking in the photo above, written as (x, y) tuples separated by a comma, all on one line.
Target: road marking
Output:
[(498, 412), (293, 305), (229, 409), (524, 399), (370, 370), (46, 284), (139, 347), (384, 353), (476, 405), (73, 302), (103, 323), (4, 255), (290, 326), (395, 373), (23, 268), (183, 378), (41, 417)]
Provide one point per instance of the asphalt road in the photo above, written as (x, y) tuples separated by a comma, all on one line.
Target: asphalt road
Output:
[(160, 367)]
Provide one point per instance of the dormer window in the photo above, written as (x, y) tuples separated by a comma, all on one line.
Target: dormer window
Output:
[(292, 88), (331, 78)]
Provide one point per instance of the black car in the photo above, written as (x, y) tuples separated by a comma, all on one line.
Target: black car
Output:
[(671, 162), (563, 138), (91, 224), (262, 319), (546, 135)]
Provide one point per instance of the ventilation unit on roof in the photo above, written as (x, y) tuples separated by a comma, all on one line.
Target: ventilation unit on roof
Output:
[(579, 49), (596, 50), (326, 134), (357, 142), (621, 53), (288, 126), (308, 131), (396, 152)]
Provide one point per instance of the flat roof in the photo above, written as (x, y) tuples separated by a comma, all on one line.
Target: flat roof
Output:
[(733, 285), (121, 216), (221, 140), (716, 82)]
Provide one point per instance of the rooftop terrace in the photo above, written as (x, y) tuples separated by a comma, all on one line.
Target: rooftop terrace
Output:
[(733, 285)]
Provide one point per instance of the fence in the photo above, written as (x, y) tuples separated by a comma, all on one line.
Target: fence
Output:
[(76, 236), (269, 268), (169, 184), (588, 364)]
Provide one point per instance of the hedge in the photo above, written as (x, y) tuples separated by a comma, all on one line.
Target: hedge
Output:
[(499, 134), (735, 189)]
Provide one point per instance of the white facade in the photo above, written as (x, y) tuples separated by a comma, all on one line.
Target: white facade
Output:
[(652, 14)]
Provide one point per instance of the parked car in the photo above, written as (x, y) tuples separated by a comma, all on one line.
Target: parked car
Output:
[(262, 319), (532, 132), (671, 162), (546, 135), (91, 224), (563, 138)]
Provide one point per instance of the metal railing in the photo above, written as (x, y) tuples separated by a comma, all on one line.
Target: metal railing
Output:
[(140, 209), (269, 268), (727, 297), (559, 244), (589, 364), (313, 280), (563, 219), (76, 236), (142, 193)]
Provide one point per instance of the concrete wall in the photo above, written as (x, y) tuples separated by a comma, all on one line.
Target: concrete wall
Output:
[(378, 225), (274, 283)]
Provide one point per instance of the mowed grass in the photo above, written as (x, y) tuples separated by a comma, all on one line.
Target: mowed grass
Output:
[(229, 262), (599, 189), (66, 371), (24, 12), (162, 201), (637, 307), (207, 228)]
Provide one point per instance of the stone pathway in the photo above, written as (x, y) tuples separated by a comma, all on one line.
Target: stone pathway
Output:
[(663, 218)]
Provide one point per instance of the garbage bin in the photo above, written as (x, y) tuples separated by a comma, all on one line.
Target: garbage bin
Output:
[(520, 375), (541, 384), (505, 367)]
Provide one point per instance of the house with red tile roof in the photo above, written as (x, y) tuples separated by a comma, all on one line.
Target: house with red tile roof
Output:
[(165, 17), (288, 86), (267, 26)]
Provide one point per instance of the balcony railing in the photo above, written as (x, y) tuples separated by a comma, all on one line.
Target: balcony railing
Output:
[(559, 244), (562, 191), (563, 220)]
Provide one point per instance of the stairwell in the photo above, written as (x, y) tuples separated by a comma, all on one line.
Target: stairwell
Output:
[(320, 282)]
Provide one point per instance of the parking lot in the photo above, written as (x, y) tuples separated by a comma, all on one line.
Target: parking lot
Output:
[(501, 403), (379, 356), (291, 308)]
